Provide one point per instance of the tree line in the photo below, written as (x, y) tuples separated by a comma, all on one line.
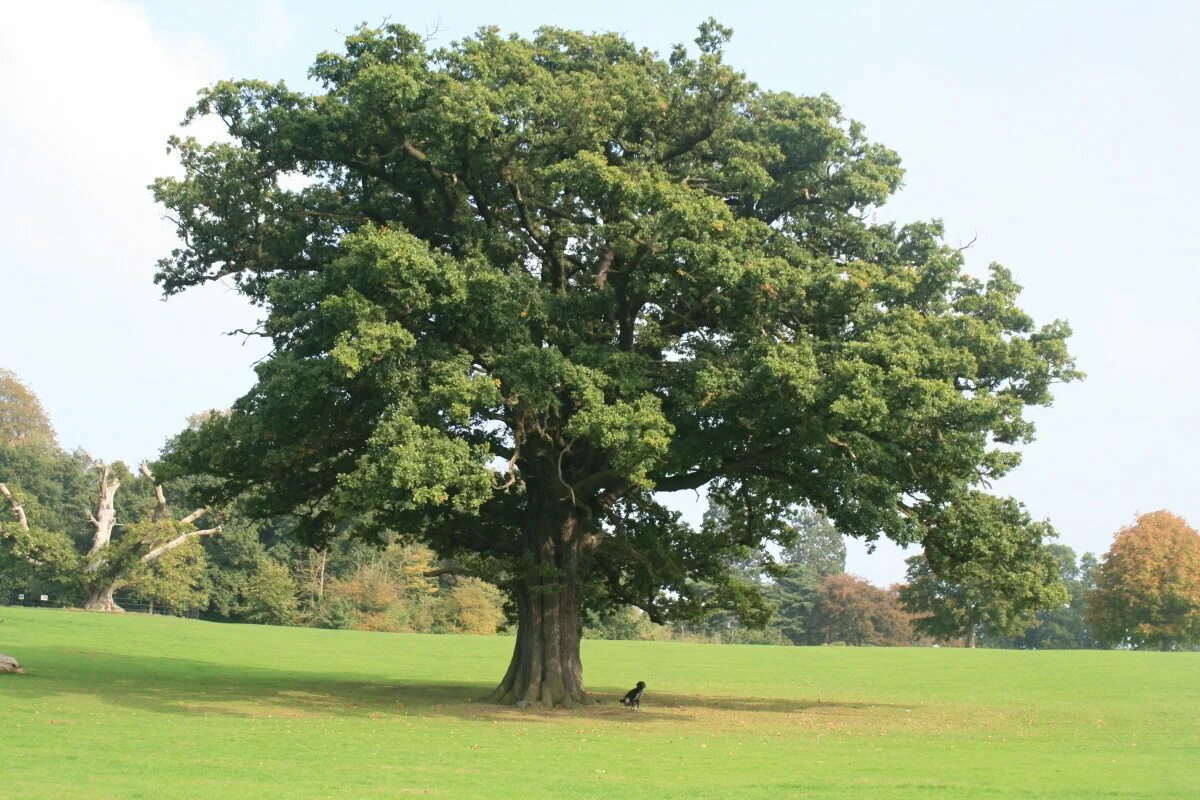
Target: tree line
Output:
[(56, 505), (84, 532)]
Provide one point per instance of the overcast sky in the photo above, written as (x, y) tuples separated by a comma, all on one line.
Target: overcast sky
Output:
[(1061, 136)]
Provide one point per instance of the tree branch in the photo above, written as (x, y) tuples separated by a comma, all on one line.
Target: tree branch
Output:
[(176, 542), (195, 515), (160, 510), (606, 260), (688, 480), (105, 518), (17, 509)]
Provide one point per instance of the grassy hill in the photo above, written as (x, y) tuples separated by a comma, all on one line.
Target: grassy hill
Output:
[(134, 706)]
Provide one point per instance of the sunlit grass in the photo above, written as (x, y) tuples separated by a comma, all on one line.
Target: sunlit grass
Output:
[(134, 706)]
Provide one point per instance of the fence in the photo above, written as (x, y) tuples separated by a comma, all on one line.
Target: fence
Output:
[(33, 600), (36, 600)]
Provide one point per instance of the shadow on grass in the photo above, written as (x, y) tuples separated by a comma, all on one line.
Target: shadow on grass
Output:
[(168, 685)]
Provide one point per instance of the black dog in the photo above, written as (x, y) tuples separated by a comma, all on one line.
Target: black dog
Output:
[(633, 698)]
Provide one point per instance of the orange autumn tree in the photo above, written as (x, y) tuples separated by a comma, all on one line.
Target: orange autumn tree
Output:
[(1148, 585)]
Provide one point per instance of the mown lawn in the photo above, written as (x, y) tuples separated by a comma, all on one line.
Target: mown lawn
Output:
[(149, 707)]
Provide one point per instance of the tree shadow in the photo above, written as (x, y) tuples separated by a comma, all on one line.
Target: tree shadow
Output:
[(170, 685)]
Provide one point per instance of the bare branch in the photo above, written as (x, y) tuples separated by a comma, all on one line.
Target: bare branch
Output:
[(248, 334), (176, 542), (195, 515), (160, 511), (17, 508), (105, 518), (968, 244), (833, 439)]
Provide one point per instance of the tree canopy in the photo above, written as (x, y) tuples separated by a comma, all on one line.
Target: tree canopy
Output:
[(1148, 585), (1001, 594), (515, 286), (23, 420)]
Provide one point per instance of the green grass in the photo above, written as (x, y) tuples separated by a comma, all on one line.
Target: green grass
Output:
[(133, 706)]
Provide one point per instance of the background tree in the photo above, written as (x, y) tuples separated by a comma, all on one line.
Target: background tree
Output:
[(476, 606), (1012, 577), (113, 560), (1063, 627), (32, 558), (57, 487), (524, 284), (269, 596), (819, 551), (1148, 585), (23, 420), (853, 611), (176, 582)]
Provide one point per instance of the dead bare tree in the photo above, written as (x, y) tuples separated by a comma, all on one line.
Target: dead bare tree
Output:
[(107, 564)]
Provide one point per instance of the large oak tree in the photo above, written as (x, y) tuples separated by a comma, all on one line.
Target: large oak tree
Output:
[(515, 286)]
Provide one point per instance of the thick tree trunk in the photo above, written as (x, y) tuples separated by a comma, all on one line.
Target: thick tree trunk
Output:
[(100, 598), (546, 668)]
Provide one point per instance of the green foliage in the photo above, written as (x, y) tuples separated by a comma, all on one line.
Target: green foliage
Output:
[(234, 558), (1063, 627), (270, 595), (58, 488), (819, 546), (612, 272), (388, 590), (625, 622), (36, 561), (819, 551), (177, 581), (997, 581), (476, 606)]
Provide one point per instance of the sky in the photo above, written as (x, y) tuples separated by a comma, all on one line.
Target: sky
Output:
[(1060, 137)]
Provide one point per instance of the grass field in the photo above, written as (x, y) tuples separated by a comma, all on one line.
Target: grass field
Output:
[(151, 707)]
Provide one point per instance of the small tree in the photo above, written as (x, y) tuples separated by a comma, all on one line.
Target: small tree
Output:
[(1000, 590), (818, 552), (476, 606), (851, 610), (23, 420), (1148, 585), (111, 561), (1062, 627), (269, 597)]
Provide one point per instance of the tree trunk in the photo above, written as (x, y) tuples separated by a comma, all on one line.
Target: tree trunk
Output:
[(100, 598), (971, 638), (546, 668), (106, 512)]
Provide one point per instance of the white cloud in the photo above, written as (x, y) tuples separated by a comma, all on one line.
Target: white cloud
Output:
[(85, 121), (91, 94)]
